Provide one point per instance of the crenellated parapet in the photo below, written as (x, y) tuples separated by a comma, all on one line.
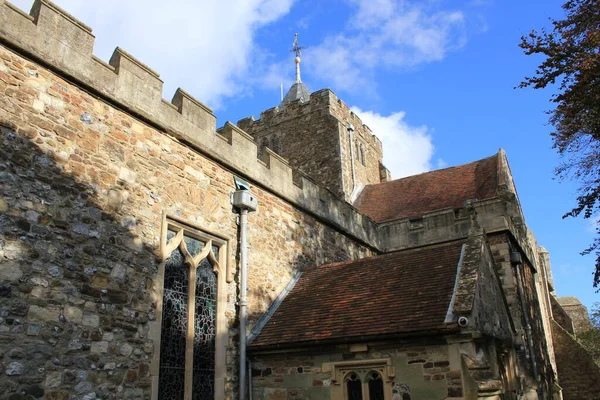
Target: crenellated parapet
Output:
[(55, 39), (323, 100), (325, 139)]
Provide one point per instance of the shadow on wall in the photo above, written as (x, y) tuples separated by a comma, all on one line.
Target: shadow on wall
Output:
[(75, 282)]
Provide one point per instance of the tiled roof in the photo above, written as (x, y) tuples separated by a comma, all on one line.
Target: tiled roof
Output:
[(445, 188), (404, 292)]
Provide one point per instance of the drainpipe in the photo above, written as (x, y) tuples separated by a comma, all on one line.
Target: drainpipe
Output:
[(249, 380), (516, 261), (245, 202), (243, 300), (350, 129)]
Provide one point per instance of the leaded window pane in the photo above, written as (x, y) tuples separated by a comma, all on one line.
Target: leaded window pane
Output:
[(375, 387), (194, 246), (174, 328), (204, 331), (170, 234), (354, 387)]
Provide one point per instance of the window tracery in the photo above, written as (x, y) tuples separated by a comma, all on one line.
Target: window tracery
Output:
[(361, 380), (192, 288)]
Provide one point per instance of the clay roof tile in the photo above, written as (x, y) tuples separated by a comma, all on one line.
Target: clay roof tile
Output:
[(430, 191), (402, 292)]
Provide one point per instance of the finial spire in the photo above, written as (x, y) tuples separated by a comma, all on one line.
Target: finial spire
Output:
[(298, 91), (298, 50)]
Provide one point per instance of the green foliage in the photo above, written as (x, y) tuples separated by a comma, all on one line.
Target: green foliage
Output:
[(591, 339), (572, 60)]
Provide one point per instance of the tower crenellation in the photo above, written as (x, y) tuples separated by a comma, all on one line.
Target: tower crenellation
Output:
[(313, 135)]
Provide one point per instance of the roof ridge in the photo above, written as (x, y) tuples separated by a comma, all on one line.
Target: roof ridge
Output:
[(434, 170), (387, 254)]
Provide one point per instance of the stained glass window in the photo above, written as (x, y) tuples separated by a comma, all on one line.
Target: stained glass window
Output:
[(354, 387), (180, 312), (194, 246), (174, 328), (171, 234), (204, 331)]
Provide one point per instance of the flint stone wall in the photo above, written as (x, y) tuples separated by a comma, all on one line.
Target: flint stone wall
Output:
[(83, 189)]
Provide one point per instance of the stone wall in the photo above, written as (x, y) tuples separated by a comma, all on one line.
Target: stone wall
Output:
[(422, 371), (57, 40), (308, 137), (490, 310), (561, 317), (84, 186), (577, 312), (372, 171), (501, 246), (578, 375), (313, 136)]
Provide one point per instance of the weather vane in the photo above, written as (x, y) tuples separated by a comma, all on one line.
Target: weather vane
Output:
[(295, 48)]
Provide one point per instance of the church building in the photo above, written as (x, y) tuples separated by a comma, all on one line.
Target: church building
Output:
[(146, 254)]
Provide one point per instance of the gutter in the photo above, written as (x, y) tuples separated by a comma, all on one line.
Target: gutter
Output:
[(452, 328)]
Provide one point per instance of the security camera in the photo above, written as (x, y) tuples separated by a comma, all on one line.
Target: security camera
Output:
[(463, 322)]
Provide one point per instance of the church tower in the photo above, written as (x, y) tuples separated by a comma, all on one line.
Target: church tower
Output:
[(319, 135)]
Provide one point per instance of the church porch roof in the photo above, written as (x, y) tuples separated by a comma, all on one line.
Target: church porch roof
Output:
[(402, 293)]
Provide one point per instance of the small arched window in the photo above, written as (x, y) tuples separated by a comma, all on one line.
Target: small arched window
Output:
[(361, 379), (362, 155), (375, 383), (353, 387)]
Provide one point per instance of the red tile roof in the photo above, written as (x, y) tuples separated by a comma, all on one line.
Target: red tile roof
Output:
[(404, 292), (445, 188)]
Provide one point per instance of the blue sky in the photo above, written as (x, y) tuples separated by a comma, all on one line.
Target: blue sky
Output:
[(434, 80)]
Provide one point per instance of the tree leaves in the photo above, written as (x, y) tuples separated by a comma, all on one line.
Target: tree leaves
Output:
[(572, 59)]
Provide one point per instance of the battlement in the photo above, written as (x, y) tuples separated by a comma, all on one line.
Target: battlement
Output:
[(323, 100), (55, 39)]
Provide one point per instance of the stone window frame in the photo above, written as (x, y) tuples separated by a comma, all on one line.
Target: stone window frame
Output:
[(224, 271), (343, 369), (360, 152)]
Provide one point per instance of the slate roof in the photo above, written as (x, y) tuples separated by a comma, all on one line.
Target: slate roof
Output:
[(418, 194), (405, 292), (298, 91)]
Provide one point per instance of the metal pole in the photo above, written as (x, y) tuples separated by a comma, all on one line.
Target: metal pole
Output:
[(243, 301)]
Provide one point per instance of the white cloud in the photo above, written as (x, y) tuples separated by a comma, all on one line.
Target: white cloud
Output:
[(385, 34), (407, 149), (205, 47)]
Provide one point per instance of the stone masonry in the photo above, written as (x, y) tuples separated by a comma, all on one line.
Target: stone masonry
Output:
[(93, 161), (84, 187), (314, 137)]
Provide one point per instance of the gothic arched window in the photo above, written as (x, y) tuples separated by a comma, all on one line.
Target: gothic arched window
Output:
[(362, 155), (188, 315), (361, 379), (375, 383), (353, 387)]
